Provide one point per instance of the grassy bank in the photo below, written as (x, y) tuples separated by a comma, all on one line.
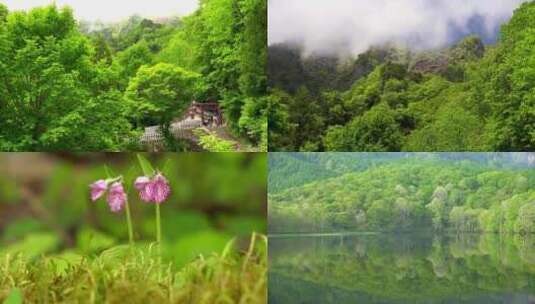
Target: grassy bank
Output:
[(136, 275)]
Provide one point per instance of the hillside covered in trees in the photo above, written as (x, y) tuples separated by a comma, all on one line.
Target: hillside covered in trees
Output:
[(71, 85), (484, 192), (467, 97)]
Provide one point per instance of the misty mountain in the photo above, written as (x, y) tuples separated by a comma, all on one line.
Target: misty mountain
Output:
[(289, 68)]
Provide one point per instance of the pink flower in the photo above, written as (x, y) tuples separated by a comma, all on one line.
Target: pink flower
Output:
[(144, 191), (98, 189), (116, 197), (160, 189), (154, 190)]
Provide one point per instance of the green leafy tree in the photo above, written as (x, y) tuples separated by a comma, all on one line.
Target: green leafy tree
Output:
[(377, 130), (160, 93), (304, 112), (51, 99), (526, 218), (254, 117), (3, 13), (102, 50), (338, 139), (280, 129), (130, 60), (455, 129), (508, 84)]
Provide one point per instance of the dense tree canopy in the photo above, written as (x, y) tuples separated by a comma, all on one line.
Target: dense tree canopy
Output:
[(469, 97), (162, 92), (395, 193), (53, 97), (68, 85)]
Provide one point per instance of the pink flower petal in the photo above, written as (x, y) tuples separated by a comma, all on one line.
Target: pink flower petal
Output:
[(116, 197), (98, 189), (146, 193), (159, 188), (142, 185), (141, 182)]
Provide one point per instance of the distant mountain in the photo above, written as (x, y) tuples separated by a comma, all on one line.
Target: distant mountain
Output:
[(287, 170), (284, 68), (289, 69)]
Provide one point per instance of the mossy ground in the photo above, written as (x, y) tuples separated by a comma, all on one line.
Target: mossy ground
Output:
[(128, 274)]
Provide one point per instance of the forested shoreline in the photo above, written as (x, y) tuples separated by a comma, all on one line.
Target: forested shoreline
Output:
[(400, 193), (70, 85), (468, 97)]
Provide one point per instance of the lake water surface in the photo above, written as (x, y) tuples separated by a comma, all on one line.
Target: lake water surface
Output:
[(406, 268)]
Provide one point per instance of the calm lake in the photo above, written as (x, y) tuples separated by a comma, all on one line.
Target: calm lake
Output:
[(404, 268)]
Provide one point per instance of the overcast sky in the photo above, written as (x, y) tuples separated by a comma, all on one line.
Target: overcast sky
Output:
[(354, 25), (113, 10)]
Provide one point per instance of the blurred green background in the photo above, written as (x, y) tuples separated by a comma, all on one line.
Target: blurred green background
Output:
[(45, 206)]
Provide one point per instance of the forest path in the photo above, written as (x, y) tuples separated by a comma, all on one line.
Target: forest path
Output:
[(224, 134), (185, 129)]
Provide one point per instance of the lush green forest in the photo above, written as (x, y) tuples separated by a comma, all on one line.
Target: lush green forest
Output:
[(468, 97), (70, 85), (487, 192), (288, 170)]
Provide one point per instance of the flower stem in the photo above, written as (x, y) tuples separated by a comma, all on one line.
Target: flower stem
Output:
[(158, 232), (158, 226), (129, 223), (159, 240)]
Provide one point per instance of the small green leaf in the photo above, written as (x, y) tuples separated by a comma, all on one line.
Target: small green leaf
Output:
[(109, 172), (228, 248), (33, 245), (166, 167), (145, 165), (14, 297), (90, 240), (129, 178)]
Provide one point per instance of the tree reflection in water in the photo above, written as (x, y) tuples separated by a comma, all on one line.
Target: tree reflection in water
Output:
[(405, 268)]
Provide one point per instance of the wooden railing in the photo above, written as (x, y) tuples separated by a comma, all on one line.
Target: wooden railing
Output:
[(205, 114)]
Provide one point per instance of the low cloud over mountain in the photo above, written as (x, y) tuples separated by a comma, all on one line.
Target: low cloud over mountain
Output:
[(342, 26)]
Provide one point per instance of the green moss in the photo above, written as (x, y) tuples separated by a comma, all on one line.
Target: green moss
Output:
[(135, 274)]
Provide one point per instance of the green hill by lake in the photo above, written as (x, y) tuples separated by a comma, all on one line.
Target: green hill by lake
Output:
[(402, 192)]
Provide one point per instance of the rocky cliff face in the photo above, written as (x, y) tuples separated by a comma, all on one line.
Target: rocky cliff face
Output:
[(439, 61), (289, 69)]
